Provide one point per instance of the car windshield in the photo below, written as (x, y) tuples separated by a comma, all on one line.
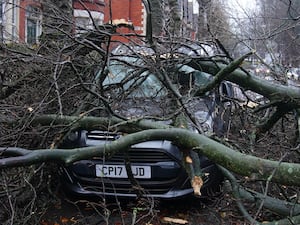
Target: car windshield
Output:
[(124, 72), (136, 92), (127, 72)]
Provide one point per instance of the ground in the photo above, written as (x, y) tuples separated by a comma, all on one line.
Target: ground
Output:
[(188, 210)]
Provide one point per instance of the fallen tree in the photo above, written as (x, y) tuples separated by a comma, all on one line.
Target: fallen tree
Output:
[(37, 113), (247, 165)]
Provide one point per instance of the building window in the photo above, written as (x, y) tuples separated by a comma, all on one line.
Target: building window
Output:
[(85, 21), (31, 31), (33, 24)]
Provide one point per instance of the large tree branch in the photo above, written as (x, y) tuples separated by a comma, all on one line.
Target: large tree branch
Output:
[(273, 91), (278, 206), (90, 122), (221, 74), (268, 124), (247, 165)]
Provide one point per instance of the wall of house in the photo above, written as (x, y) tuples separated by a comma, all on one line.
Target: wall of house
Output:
[(10, 20), (81, 8), (125, 12), (130, 12)]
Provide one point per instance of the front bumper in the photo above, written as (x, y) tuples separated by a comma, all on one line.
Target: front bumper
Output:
[(123, 188)]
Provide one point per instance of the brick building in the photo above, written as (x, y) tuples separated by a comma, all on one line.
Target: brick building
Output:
[(21, 20), (126, 12)]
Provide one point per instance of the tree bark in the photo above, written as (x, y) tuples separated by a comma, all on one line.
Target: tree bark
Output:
[(247, 165), (106, 123), (273, 91)]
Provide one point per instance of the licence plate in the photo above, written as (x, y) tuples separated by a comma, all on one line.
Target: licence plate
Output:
[(119, 171)]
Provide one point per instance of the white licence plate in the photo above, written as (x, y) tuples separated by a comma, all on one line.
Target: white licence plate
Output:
[(119, 171)]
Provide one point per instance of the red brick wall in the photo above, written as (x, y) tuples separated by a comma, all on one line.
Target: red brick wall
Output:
[(125, 11), (119, 9), (94, 5), (136, 13)]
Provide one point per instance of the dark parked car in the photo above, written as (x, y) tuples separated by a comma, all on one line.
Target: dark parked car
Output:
[(156, 165)]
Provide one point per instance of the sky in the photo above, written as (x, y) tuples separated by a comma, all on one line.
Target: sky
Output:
[(242, 3), (242, 6), (195, 6)]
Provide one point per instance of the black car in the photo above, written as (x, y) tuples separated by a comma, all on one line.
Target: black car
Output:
[(156, 165)]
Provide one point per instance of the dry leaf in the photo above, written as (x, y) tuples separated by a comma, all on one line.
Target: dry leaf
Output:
[(43, 222), (64, 220), (174, 220), (73, 220), (223, 214)]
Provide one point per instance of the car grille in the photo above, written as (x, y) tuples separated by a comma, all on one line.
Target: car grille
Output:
[(141, 156)]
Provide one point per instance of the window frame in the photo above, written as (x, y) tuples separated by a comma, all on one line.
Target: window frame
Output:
[(33, 15)]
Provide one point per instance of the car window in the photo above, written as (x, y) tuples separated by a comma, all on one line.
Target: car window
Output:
[(127, 73)]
